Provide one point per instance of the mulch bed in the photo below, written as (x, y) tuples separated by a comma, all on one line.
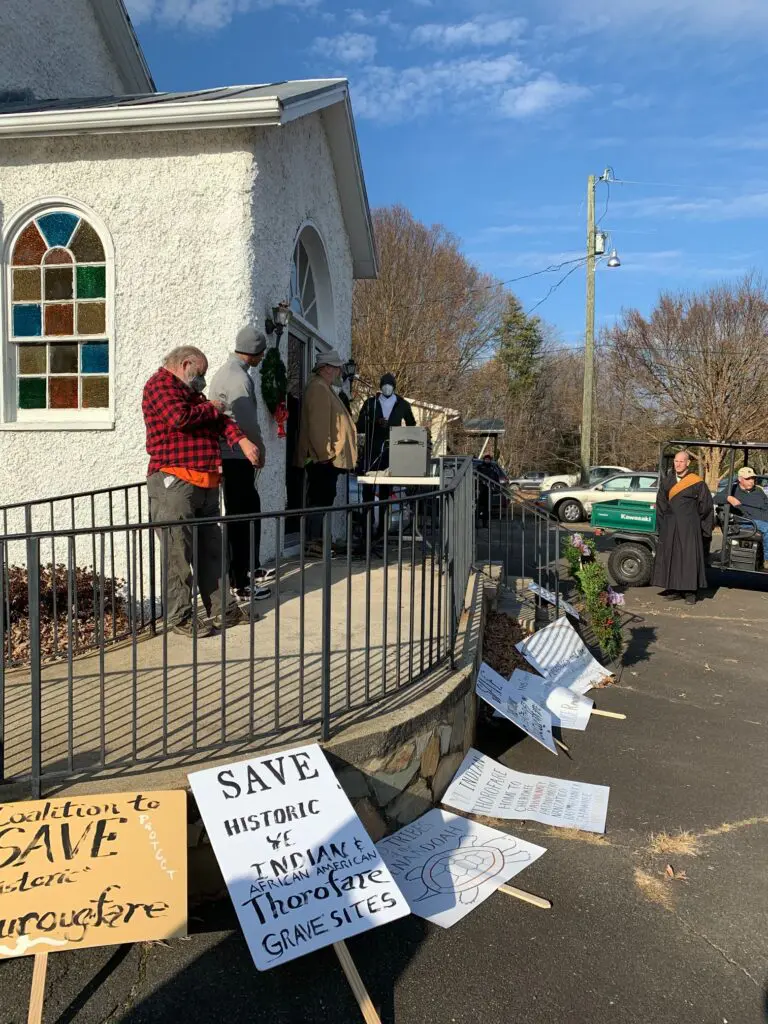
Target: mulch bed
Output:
[(501, 635)]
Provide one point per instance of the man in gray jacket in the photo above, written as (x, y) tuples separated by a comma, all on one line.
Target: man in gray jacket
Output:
[(234, 387)]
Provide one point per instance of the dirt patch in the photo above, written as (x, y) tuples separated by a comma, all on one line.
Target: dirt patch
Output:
[(681, 844), (501, 635), (577, 836), (654, 889)]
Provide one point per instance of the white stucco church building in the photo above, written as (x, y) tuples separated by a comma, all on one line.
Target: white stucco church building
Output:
[(137, 221)]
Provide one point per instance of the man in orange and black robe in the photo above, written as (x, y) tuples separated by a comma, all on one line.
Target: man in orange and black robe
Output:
[(684, 516)]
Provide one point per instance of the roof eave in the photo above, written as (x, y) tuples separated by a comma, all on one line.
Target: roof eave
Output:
[(123, 43)]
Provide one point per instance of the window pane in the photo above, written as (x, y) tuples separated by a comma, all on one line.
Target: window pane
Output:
[(619, 483), (95, 392), (91, 282), (57, 256), (94, 357), (62, 392), (91, 317), (647, 483), (32, 393), (63, 358), (59, 319), (31, 359), (27, 322), (26, 285), (57, 228), (86, 245), (30, 247), (58, 282)]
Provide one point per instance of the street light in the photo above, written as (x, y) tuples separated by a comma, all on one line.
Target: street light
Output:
[(596, 245)]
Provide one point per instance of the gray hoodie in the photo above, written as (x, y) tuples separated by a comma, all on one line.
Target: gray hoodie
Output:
[(233, 385)]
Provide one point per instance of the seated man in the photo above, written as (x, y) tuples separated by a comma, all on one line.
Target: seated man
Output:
[(752, 500)]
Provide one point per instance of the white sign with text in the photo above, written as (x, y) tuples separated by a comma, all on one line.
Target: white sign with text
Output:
[(552, 598), (524, 712), (447, 865), (301, 870), (483, 786), (559, 653), (569, 710)]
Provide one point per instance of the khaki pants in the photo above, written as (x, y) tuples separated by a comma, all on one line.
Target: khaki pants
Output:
[(171, 499)]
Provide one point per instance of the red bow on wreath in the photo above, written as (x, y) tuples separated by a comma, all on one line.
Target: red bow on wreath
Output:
[(281, 417)]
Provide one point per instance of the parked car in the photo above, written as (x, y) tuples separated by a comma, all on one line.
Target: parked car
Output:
[(559, 481), (574, 505), (530, 481)]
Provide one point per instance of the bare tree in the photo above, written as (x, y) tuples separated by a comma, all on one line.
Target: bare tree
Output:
[(699, 364), (430, 317)]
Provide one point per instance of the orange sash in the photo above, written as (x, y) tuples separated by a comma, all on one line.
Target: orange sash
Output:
[(689, 480)]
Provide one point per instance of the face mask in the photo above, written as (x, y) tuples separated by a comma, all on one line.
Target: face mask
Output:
[(197, 383), (387, 390), (336, 388)]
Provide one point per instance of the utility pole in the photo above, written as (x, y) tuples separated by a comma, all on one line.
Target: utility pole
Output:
[(589, 334)]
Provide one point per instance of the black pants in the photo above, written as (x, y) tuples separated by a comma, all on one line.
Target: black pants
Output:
[(241, 498), (321, 493), (369, 493)]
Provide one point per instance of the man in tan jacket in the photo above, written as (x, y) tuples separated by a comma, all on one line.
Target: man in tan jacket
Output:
[(327, 443)]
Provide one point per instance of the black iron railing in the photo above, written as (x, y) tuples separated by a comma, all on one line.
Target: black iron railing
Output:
[(92, 677)]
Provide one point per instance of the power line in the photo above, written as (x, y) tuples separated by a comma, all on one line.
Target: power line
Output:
[(554, 288)]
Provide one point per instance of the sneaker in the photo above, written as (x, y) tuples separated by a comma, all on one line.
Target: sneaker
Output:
[(233, 617), (314, 549), (185, 628), (690, 598), (257, 593), (263, 576)]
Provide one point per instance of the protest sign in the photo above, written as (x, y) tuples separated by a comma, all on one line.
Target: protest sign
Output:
[(483, 786), (525, 713), (558, 652), (569, 710), (447, 865), (552, 598), (92, 871), (301, 870)]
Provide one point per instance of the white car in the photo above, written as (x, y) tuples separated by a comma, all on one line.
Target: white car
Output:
[(559, 481), (574, 504)]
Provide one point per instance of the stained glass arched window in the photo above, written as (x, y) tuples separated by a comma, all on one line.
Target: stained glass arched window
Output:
[(303, 292), (58, 315)]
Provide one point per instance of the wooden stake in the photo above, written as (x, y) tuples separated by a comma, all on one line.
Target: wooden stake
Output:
[(370, 1016), (37, 992), (561, 745), (526, 897), (607, 714)]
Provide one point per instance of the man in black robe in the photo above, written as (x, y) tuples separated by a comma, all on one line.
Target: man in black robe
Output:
[(684, 516), (378, 415)]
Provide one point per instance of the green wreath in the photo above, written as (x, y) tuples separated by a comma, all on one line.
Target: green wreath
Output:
[(274, 380)]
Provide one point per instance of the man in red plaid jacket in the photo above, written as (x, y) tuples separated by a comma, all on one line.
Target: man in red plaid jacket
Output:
[(183, 431)]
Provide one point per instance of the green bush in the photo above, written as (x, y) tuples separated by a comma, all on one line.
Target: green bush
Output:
[(600, 600)]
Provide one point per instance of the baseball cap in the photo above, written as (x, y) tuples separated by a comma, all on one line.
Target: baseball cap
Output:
[(745, 473), (250, 342), (329, 358)]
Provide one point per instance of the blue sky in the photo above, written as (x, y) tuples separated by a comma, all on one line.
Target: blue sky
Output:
[(488, 115)]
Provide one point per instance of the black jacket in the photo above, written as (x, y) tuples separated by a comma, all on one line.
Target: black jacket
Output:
[(754, 503), (375, 429)]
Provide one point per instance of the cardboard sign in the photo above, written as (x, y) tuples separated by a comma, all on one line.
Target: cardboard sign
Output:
[(525, 713), (92, 871), (559, 653), (447, 865), (551, 598), (483, 786), (569, 710), (301, 870)]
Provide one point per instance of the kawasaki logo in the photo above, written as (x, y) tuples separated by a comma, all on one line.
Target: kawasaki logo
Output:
[(634, 519)]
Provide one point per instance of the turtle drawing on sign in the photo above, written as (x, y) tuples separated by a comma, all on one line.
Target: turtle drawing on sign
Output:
[(461, 870)]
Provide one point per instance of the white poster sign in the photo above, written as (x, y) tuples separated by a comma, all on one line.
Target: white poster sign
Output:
[(559, 653), (551, 598), (525, 713), (569, 710), (483, 786), (301, 870), (447, 865)]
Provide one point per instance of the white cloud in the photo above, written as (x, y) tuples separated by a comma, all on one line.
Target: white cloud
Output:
[(736, 17), (482, 31), (392, 94), (357, 17), (539, 96), (349, 47), (204, 14), (746, 206)]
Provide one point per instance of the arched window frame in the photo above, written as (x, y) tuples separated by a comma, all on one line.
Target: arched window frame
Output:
[(11, 416), (323, 331)]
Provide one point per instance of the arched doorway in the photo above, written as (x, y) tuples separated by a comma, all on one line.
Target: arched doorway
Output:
[(312, 330)]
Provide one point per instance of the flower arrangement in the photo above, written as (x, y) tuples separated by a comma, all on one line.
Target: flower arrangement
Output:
[(600, 599)]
